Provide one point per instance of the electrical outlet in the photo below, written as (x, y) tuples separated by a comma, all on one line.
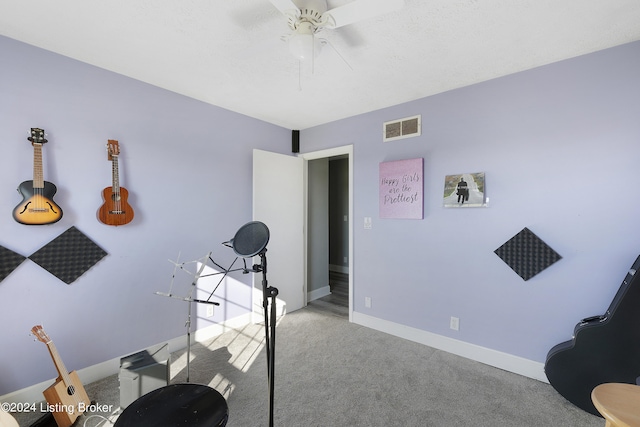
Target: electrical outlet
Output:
[(367, 302), (209, 310), (454, 323)]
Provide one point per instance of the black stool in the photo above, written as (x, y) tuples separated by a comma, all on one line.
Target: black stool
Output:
[(177, 405)]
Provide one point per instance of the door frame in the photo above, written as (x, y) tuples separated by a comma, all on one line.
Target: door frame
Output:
[(321, 154)]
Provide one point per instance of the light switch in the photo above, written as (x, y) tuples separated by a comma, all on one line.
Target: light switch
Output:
[(367, 223)]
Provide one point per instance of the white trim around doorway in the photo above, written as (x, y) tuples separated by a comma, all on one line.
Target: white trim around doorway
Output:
[(332, 152)]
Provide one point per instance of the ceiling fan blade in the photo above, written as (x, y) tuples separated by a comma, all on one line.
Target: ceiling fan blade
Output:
[(285, 6), (359, 10)]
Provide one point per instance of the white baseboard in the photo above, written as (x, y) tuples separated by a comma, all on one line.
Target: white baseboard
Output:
[(217, 329), (110, 367), (505, 361), (498, 359), (318, 293)]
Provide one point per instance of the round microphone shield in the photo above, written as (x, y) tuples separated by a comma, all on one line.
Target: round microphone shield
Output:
[(250, 239)]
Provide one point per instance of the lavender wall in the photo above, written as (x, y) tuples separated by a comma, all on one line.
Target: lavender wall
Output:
[(559, 145), (187, 166)]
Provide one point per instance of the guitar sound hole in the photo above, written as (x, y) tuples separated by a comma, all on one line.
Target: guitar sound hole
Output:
[(115, 197), (71, 390)]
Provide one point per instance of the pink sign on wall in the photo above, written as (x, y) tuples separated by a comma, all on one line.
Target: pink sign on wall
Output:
[(401, 189)]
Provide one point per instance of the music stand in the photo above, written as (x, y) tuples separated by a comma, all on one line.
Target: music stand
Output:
[(189, 299)]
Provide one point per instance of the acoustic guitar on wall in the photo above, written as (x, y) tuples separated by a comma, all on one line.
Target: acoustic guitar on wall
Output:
[(67, 397), (116, 209), (37, 206)]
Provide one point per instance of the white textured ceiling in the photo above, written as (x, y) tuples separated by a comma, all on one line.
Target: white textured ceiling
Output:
[(228, 52)]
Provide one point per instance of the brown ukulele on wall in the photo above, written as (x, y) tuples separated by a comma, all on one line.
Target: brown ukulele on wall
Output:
[(116, 209), (66, 398), (37, 206)]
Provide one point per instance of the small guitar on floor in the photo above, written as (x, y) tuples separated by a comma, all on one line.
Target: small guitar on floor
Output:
[(67, 396), (116, 209), (37, 206)]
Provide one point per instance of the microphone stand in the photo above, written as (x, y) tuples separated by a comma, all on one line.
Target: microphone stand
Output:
[(269, 316), (269, 328)]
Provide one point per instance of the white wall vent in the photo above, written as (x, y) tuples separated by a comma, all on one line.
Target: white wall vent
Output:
[(402, 128)]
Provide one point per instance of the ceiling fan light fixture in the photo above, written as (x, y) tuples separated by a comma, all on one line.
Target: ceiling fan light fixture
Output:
[(303, 44)]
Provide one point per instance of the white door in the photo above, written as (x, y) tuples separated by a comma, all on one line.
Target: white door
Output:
[(279, 202)]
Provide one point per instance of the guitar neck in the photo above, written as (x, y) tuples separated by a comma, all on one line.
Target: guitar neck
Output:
[(57, 361), (38, 175), (115, 175)]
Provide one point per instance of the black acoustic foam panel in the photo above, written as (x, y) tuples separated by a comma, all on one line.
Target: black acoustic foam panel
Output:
[(9, 261), (69, 255), (527, 254)]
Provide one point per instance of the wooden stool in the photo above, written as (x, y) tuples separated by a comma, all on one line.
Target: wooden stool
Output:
[(618, 403)]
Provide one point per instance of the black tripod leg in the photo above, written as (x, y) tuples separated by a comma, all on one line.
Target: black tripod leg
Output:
[(272, 351)]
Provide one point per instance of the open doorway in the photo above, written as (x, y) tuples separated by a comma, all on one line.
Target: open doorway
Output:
[(329, 226)]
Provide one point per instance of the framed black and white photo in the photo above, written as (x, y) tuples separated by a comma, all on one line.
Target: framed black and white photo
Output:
[(466, 190)]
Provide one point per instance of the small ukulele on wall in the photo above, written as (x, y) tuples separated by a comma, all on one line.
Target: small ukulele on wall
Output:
[(37, 206), (116, 209)]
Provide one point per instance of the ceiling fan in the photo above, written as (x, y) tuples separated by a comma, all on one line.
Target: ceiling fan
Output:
[(307, 17)]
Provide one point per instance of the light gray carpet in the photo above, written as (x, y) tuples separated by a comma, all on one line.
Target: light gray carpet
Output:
[(330, 372)]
